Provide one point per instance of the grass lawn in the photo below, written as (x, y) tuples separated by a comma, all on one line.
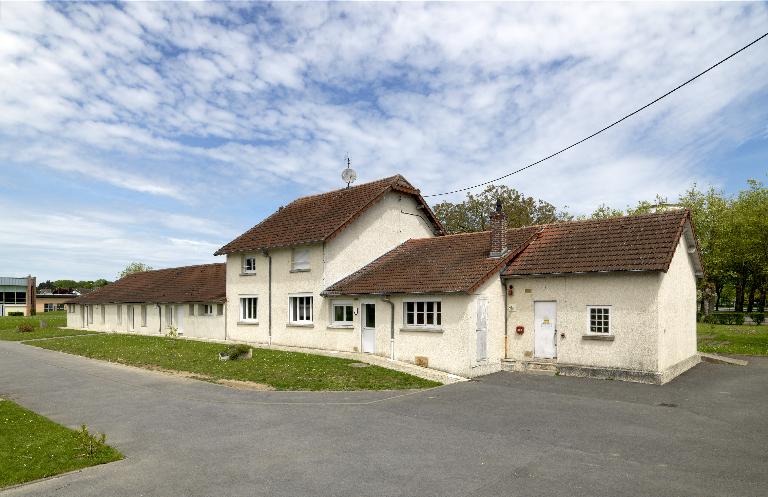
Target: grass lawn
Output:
[(733, 339), (33, 447), (278, 369), (10, 324)]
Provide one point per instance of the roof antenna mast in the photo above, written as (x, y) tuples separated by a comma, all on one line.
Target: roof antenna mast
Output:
[(348, 175)]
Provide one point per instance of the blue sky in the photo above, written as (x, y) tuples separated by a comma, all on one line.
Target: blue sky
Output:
[(156, 132)]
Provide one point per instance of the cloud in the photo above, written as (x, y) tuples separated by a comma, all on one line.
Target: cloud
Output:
[(224, 110)]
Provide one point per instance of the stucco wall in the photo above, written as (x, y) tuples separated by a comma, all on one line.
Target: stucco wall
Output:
[(677, 310), (634, 315), (193, 326), (376, 231), (8, 308)]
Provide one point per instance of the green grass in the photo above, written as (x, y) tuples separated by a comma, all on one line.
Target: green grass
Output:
[(733, 339), (278, 369), (9, 326), (33, 447)]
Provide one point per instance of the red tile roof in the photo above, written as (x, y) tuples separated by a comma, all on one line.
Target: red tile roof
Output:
[(632, 243), (460, 263), (452, 263), (319, 217), (203, 283)]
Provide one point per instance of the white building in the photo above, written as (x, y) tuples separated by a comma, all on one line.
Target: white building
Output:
[(369, 269)]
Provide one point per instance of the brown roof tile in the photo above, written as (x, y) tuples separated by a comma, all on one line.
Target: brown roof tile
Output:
[(452, 263), (203, 283), (631, 243), (319, 217)]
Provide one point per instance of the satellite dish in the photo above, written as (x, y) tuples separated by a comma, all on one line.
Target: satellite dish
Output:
[(348, 175)]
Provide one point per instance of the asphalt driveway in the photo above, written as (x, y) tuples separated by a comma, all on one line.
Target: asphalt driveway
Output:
[(705, 434)]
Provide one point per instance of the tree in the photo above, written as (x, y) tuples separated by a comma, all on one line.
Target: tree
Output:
[(473, 213), (134, 267)]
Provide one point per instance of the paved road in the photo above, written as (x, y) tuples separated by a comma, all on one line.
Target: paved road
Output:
[(506, 435)]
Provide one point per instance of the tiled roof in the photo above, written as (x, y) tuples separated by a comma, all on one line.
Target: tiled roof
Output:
[(460, 263), (204, 283), (632, 243), (319, 217), (452, 263)]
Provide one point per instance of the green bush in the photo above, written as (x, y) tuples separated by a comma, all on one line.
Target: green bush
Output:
[(725, 318), (90, 443), (25, 328), (238, 351), (16, 313), (757, 317)]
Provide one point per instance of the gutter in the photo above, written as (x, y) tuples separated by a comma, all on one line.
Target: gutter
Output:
[(386, 299), (269, 293), (506, 317)]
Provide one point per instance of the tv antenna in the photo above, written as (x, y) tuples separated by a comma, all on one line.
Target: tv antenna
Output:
[(348, 175)]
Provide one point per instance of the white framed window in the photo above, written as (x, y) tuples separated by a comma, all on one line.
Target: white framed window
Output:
[(168, 316), (342, 313), (206, 309), (249, 306), (49, 307), (119, 312), (422, 313), (59, 307), (103, 314), (249, 264), (300, 259), (599, 319), (131, 318), (143, 315), (300, 309)]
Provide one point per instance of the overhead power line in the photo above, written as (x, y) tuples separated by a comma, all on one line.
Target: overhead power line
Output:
[(614, 123)]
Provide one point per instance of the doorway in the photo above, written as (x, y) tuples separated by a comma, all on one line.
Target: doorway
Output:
[(481, 351), (368, 328), (545, 330)]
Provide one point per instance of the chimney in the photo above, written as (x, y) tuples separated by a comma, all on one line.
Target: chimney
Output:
[(31, 300), (498, 231)]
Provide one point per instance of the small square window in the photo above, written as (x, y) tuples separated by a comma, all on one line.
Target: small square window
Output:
[(343, 313), (599, 319), (300, 259), (249, 264)]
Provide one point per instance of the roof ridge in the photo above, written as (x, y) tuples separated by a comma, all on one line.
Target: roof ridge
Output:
[(320, 194), (178, 267), (606, 219)]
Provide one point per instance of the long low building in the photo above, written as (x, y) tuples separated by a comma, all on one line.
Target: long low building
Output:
[(185, 300), (370, 269)]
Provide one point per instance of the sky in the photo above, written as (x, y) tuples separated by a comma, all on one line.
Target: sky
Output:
[(157, 132)]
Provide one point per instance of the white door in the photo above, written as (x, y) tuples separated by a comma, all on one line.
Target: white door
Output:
[(545, 329), (482, 329), (180, 319), (369, 328)]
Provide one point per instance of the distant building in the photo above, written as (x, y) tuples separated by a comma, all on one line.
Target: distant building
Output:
[(17, 295), (49, 301)]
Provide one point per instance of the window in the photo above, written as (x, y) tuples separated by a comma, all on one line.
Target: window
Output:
[(59, 307), (300, 309), (248, 309), (300, 259), (219, 309), (49, 307), (13, 297), (119, 313), (143, 315), (131, 320), (71, 308), (599, 319), (249, 264), (168, 316), (342, 313), (103, 314), (21, 297), (206, 309), (423, 313)]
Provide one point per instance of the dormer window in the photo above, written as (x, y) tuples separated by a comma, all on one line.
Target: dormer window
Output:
[(249, 264), (300, 259)]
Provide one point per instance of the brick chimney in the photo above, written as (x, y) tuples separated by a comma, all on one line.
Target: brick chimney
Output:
[(498, 231)]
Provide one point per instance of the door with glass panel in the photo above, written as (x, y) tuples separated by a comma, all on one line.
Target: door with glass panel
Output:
[(369, 328)]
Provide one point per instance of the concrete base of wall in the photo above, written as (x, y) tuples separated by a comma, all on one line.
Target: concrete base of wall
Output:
[(651, 377)]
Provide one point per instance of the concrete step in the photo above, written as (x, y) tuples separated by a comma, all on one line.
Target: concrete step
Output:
[(536, 366), (719, 359)]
